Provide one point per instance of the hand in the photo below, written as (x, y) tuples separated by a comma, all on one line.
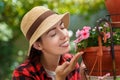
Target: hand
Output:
[(63, 70)]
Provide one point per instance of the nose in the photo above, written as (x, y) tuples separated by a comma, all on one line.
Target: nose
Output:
[(63, 34)]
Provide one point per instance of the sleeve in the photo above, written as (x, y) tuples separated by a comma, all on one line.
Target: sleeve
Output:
[(75, 74)]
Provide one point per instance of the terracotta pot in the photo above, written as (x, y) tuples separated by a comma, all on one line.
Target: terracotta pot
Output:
[(113, 9), (89, 59)]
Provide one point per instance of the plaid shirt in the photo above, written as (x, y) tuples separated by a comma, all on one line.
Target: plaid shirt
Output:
[(31, 71)]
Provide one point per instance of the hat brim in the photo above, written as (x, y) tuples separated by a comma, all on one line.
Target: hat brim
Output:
[(47, 24)]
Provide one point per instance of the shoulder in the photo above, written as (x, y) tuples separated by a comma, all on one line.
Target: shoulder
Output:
[(25, 69), (22, 69), (23, 66)]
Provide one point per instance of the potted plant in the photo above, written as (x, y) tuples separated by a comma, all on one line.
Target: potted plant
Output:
[(96, 42)]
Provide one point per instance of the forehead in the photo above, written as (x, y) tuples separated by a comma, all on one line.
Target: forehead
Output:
[(52, 28), (55, 25)]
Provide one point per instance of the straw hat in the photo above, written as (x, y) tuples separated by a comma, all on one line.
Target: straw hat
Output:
[(38, 20)]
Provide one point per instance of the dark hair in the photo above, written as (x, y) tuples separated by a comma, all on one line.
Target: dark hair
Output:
[(35, 54)]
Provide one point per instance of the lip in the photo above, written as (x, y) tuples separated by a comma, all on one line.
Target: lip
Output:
[(65, 44)]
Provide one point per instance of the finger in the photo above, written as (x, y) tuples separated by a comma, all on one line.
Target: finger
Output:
[(64, 65), (75, 58), (61, 68), (78, 55)]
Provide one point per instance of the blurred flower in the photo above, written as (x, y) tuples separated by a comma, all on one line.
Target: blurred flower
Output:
[(70, 33)]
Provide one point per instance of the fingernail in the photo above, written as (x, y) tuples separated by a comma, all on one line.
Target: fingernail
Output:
[(68, 60)]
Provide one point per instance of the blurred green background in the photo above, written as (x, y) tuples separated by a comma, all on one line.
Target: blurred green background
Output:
[(13, 45)]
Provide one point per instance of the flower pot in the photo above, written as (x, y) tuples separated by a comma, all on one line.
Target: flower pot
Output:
[(115, 24), (89, 59), (113, 9)]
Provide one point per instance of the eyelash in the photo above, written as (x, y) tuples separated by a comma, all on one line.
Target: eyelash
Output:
[(62, 28), (53, 34)]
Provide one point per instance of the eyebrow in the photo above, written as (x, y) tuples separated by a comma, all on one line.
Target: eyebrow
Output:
[(53, 28)]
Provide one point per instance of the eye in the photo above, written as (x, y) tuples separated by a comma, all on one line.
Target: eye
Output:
[(52, 33)]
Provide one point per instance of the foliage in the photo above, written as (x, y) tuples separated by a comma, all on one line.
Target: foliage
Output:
[(88, 37), (77, 6)]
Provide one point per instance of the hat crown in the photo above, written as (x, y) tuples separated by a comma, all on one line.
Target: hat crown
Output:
[(30, 17)]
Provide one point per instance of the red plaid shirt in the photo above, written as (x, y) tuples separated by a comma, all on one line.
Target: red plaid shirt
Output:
[(31, 71)]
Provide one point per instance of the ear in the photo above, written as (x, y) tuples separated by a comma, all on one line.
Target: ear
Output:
[(37, 45)]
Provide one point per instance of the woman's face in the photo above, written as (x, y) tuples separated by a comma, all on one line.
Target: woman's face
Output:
[(55, 40)]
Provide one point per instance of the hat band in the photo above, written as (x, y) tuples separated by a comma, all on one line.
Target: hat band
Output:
[(37, 22)]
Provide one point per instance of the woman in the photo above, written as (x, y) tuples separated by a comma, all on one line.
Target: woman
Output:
[(48, 54)]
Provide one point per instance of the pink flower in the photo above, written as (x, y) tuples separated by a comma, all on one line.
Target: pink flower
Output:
[(78, 33), (79, 39), (108, 35), (84, 34), (87, 28)]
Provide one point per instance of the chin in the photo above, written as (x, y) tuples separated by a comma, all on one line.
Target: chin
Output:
[(66, 51)]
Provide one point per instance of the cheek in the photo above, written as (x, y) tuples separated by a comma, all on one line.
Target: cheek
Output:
[(51, 42), (66, 32)]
